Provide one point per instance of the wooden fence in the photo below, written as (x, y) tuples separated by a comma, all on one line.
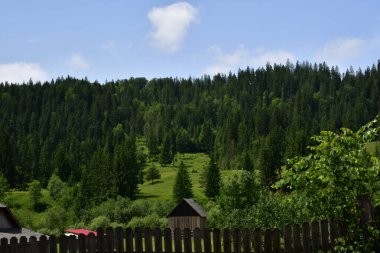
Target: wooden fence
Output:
[(314, 237)]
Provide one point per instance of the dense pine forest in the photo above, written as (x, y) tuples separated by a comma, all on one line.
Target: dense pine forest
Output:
[(85, 134)]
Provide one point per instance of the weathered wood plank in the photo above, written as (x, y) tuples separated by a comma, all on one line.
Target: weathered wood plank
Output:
[(207, 239), (119, 240), (138, 240), (72, 244), (246, 240), (91, 243), (236, 240), (276, 240), (24, 245), (13, 245), (33, 246), (227, 240), (288, 239), (63, 244), (187, 240), (110, 240), (268, 241), (4, 245), (129, 240), (148, 240), (177, 240), (157, 240), (100, 240), (325, 235), (306, 237), (315, 235), (258, 242), (296, 238), (82, 243), (216, 240), (43, 244), (168, 240), (197, 240)]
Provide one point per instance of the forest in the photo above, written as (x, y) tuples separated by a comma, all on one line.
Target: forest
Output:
[(85, 135)]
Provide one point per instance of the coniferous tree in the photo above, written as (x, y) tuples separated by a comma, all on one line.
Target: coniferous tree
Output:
[(182, 186), (126, 168), (212, 179), (247, 162), (152, 174), (166, 156), (4, 186), (35, 192)]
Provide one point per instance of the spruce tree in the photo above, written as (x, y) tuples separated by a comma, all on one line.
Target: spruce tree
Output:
[(166, 156), (182, 186), (212, 180), (152, 173)]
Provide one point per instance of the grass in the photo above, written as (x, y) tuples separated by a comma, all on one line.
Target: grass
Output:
[(162, 189), (22, 207)]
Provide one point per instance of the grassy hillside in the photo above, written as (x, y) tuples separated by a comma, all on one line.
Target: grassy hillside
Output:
[(162, 189), (21, 206)]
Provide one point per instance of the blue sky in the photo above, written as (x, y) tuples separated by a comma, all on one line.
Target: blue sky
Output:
[(117, 39)]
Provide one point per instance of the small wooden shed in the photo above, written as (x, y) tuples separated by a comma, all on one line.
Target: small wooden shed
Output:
[(187, 214)]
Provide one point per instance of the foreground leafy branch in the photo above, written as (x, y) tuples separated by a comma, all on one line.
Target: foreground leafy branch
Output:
[(336, 176)]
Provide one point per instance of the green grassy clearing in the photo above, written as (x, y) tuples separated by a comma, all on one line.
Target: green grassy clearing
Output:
[(21, 206), (162, 189)]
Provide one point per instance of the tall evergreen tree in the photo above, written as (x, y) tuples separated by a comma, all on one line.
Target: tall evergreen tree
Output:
[(152, 173), (212, 179), (183, 187), (126, 168), (166, 156)]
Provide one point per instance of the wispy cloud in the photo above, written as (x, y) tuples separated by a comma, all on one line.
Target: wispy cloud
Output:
[(242, 57), (78, 62), (341, 50), (19, 72), (170, 25)]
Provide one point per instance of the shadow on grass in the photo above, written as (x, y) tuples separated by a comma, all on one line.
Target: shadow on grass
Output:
[(40, 207), (146, 196)]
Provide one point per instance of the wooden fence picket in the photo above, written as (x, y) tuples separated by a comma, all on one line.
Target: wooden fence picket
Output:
[(315, 237), (257, 244), (227, 240), (296, 238), (157, 240), (246, 240), (129, 240), (23, 247), (306, 237)]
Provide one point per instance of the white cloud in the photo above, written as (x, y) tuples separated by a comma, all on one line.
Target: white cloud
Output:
[(19, 72), (278, 57), (341, 50), (170, 25), (242, 57), (77, 61)]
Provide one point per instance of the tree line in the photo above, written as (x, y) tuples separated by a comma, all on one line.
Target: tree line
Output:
[(254, 120)]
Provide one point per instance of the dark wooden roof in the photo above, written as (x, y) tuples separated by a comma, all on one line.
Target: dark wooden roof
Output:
[(9, 216), (187, 207)]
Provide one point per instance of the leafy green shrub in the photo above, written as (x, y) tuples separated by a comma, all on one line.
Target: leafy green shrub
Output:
[(150, 221), (99, 222)]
